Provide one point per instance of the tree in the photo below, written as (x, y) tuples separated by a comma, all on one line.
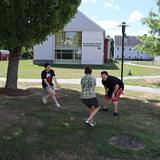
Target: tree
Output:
[(26, 53), (111, 48), (24, 23), (151, 43)]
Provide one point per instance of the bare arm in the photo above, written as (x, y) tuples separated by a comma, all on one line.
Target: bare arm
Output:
[(55, 80), (106, 90)]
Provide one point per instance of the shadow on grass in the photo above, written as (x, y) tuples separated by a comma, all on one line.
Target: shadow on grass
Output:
[(153, 101), (44, 132), (107, 65), (157, 84)]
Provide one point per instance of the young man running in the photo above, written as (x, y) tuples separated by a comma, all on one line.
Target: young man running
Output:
[(47, 76), (113, 89), (88, 96)]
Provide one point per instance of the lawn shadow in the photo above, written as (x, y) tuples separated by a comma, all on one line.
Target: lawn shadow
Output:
[(153, 100), (27, 122), (107, 65), (157, 84)]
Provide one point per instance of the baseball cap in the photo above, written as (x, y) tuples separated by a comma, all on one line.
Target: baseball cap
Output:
[(46, 64)]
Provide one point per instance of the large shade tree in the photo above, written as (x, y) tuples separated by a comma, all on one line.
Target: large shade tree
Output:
[(151, 43), (24, 23)]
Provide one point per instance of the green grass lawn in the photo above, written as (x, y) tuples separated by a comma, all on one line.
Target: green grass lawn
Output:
[(28, 70), (148, 63), (153, 83), (30, 130)]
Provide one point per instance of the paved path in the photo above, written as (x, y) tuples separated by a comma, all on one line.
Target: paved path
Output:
[(77, 81)]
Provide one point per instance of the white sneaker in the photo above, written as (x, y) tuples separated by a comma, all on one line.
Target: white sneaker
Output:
[(44, 100), (57, 105), (89, 123)]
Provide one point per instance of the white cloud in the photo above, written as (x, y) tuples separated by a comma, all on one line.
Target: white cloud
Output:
[(108, 3), (138, 32), (117, 7), (112, 28), (108, 24), (135, 16), (89, 1)]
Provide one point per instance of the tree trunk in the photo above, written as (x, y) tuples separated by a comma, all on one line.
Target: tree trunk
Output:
[(12, 72)]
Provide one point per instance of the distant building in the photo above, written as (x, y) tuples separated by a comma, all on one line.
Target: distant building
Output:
[(107, 48), (4, 55), (129, 49), (157, 58), (80, 42)]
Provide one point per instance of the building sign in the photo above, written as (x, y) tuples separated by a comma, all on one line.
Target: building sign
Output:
[(98, 45)]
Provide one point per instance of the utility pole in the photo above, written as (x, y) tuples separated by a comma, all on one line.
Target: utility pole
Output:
[(123, 25)]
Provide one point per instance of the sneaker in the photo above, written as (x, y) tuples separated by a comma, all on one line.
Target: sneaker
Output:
[(104, 109), (89, 123), (115, 113), (44, 100), (57, 105), (94, 123)]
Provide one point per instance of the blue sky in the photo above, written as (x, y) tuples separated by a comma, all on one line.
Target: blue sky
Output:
[(110, 13)]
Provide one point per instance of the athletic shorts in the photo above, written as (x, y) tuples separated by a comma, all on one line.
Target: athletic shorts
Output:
[(46, 88), (91, 102), (117, 95)]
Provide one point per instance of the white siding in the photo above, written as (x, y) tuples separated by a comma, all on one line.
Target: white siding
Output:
[(44, 51), (130, 53), (129, 49), (91, 53), (81, 22)]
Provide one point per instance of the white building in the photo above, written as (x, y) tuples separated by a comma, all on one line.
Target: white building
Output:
[(129, 49), (81, 42)]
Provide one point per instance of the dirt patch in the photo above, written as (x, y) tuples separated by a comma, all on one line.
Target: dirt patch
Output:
[(16, 92), (127, 142)]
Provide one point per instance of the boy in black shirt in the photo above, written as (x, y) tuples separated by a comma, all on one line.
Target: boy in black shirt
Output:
[(113, 89), (47, 75)]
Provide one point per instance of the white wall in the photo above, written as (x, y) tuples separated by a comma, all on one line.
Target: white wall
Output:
[(91, 53), (130, 53), (44, 51)]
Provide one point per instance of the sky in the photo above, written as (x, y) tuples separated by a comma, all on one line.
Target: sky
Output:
[(111, 13)]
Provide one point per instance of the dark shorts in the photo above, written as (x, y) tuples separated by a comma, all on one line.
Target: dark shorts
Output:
[(117, 95), (91, 102), (47, 88)]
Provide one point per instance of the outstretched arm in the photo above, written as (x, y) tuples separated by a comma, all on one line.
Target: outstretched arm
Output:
[(55, 80)]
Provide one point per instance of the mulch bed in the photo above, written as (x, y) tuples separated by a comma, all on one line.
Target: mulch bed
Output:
[(128, 142)]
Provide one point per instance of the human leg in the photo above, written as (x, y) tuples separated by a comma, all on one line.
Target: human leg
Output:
[(115, 101), (52, 94), (92, 113), (106, 104), (93, 107)]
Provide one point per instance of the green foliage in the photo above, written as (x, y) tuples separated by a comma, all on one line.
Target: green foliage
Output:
[(151, 44), (26, 53), (25, 23), (112, 48)]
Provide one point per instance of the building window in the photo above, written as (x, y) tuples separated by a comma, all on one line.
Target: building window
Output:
[(68, 45), (117, 48)]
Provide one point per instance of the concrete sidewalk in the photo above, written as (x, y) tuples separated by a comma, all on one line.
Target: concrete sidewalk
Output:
[(77, 81)]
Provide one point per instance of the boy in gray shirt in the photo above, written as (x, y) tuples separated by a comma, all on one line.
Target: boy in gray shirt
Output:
[(88, 96)]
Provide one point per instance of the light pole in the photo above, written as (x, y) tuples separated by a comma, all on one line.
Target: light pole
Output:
[(123, 25)]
